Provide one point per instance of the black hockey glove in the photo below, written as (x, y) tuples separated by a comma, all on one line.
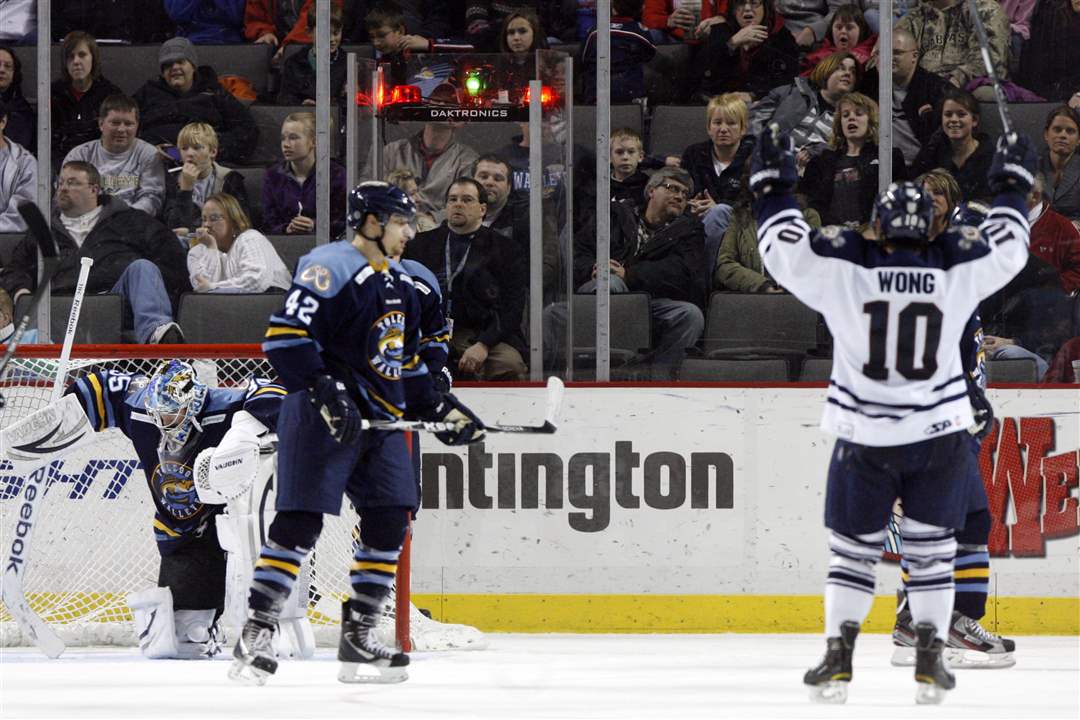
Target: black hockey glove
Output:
[(443, 380), (330, 398), (1014, 165), (468, 428), (981, 409), (772, 166)]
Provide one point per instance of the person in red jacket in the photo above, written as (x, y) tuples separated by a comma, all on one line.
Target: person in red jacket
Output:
[(1054, 238), (270, 22), (848, 31), (682, 20)]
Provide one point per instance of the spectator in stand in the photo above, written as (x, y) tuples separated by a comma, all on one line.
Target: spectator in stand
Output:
[(959, 146), (716, 165), (752, 52), (848, 32), (187, 92), (627, 180), (1054, 239), (188, 187), (113, 20), (279, 23), (130, 168), (1061, 367), (435, 156), (682, 20), (842, 182), (519, 37), (208, 22), (1050, 62), (805, 107), (948, 43), (78, 94), (872, 12), (630, 51), (288, 189), (7, 322), (134, 255), (946, 196), (807, 20), (298, 73), (1018, 13), (405, 180), (18, 22), (1061, 161), (18, 179), (484, 280), (916, 93), (22, 119), (394, 45), (483, 18), (227, 255), (493, 174)]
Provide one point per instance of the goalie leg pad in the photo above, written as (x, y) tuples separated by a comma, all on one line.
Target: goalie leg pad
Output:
[(154, 623), (197, 634)]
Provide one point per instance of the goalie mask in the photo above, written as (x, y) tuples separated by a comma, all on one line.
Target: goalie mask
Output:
[(906, 212), (174, 397)]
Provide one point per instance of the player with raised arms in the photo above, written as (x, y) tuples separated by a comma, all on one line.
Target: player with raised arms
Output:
[(346, 345), (897, 401), (199, 447)]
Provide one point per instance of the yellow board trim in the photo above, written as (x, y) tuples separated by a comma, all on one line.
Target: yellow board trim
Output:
[(717, 613)]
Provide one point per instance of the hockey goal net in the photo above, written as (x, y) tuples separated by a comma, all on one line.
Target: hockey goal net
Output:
[(93, 541)]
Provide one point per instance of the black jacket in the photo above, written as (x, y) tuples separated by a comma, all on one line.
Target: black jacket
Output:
[(723, 188), (631, 190), (121, 236), (488, 295), (817, 183), (669, 266), (298, 78), (163, 112), (22, 118), (136, 21), (925, 88), (772, 64), (75, 121), (972, 178)]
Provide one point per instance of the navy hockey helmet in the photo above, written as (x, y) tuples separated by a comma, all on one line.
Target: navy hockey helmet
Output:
[(380, 198), (174, 397), (906, 212)]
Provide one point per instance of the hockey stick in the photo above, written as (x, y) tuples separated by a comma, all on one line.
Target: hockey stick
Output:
[(73, 322), (39, 229), (549, 426), (999, 93)]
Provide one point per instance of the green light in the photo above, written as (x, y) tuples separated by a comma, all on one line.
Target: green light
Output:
[(472, 84)]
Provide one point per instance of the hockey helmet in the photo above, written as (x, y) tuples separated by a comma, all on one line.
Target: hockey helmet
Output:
[(174, 397), (906, 212), (380, 198)]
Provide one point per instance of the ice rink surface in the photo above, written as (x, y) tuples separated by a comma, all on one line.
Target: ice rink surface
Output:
[(545, 676)]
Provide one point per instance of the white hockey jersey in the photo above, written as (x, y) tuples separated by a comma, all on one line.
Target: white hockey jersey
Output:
[(896, 318)]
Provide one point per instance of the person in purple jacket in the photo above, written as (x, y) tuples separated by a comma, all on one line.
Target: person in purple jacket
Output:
[(288, 189)]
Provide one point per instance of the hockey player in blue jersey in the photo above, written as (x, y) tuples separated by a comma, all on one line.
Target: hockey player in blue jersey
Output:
[(173, 420), (897, 400), (346, 346)]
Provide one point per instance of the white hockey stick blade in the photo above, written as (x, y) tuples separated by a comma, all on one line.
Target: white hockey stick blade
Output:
[(555, 389)]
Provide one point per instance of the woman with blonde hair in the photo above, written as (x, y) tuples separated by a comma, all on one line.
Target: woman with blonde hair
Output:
[(946, 195), (841, 183), (228, 256), (199, 177), (716, 164), (288, 190)]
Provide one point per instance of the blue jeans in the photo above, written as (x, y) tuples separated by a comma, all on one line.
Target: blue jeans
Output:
[(143, 289)]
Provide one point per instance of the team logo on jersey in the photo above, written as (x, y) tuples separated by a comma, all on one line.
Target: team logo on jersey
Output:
[(387, 345), (175, 488), (969, 237), (317, 276)]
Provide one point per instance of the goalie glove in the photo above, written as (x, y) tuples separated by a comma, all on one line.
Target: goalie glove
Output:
[(772, 165), (226, 472), (468, 428), (330, 398)]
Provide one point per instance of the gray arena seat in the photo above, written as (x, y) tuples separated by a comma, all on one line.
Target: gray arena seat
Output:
[(713, 370), (1028, 118), (291, 247), (621, 116), (668, 74), (1018, 370), (674, 127), (100, 319), (253, 180), (631, 327), (758, 324), (815, 369), (212, 318), (268, 119)]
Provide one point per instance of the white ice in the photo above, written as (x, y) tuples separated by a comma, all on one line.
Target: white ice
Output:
[(544, 676)]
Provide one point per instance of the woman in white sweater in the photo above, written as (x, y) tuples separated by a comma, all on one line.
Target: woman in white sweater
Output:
[(228, 256)]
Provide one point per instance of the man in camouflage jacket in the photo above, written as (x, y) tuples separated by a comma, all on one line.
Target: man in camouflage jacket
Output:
[(949, 43)]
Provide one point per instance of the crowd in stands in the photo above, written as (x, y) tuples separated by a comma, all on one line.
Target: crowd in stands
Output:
[(152, 183)]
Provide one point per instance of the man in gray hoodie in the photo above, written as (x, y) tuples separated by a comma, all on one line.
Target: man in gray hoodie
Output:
[(130, 168)]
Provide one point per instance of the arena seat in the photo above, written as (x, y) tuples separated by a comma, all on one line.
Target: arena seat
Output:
[(1029, 118), (1016, 370), (815, 369), (253, 180), (713, 370), (631, 327), (621, 116), (674, 127), (290, 248), (226, 318), (100, 319), (758, 324), (268, 119), (667, 75)]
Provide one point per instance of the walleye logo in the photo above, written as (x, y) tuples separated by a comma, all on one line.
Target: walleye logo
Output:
[(318, 276), (175, 488), (387, 345)]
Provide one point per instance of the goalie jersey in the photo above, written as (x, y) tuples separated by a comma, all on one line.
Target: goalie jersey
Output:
[(118, 400), (896, 318), (358, 323)]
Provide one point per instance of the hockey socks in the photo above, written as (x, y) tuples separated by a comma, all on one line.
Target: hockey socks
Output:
[(849, 589), (929, 552), (372, 575), (972, 577), (276, 571)]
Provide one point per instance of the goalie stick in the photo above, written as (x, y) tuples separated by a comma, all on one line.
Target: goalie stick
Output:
[(549, 426), (39, 230)]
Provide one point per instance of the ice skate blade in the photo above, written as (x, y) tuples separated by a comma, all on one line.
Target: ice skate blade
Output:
[(965, 659), (903, 656), (368, 674), (928, 693), (246, 674), (833, 692)]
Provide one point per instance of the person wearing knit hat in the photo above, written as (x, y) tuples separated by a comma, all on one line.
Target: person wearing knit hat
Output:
[(177, 48)]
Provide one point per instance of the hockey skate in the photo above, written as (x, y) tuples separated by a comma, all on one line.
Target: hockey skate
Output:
[(828, 682), (932, 676), (903, 634), (970, 645), (254, 652), (364, 659)]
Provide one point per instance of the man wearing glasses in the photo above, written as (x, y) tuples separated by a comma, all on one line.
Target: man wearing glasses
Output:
[(659, 250), (134, 255)]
